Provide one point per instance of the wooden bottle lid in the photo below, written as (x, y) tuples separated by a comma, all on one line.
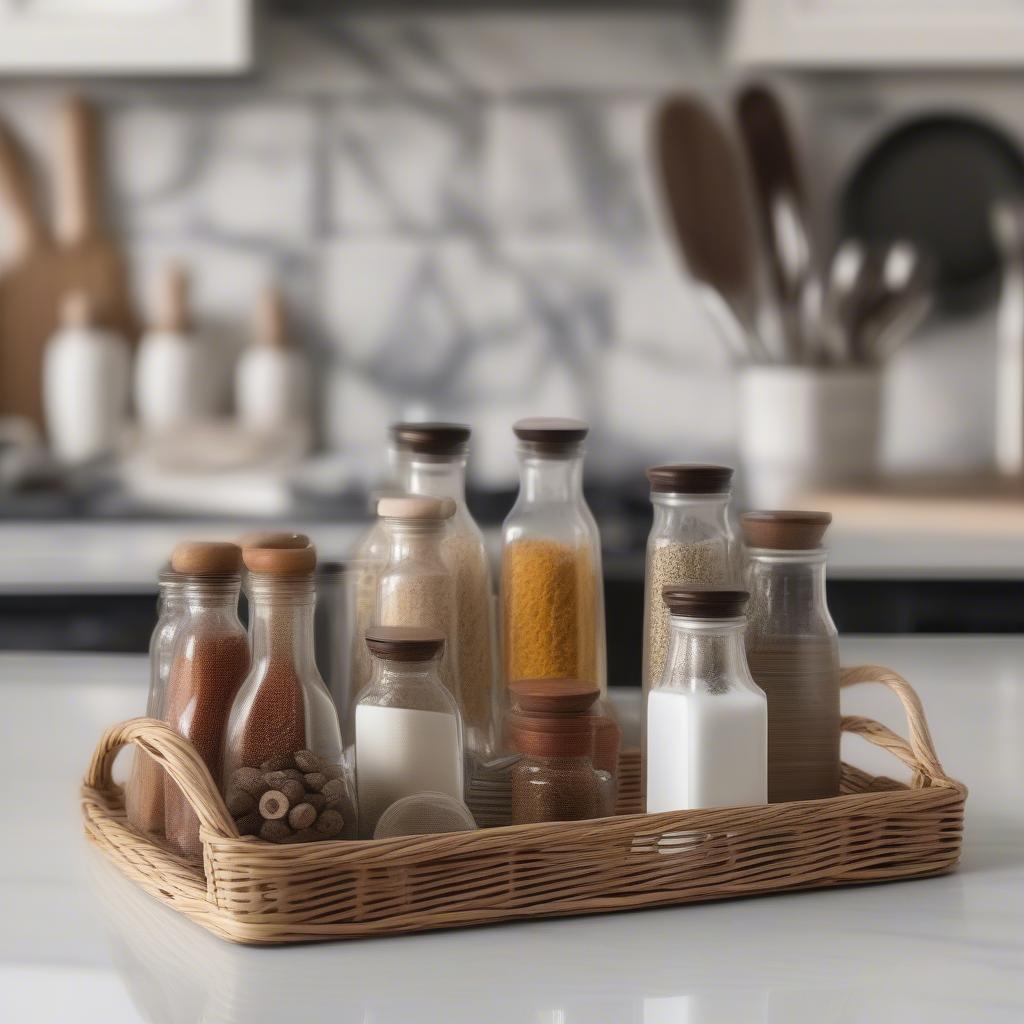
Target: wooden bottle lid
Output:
[(172, 300), (273, 539), (280, 561), (431, 438), (551, 430), (690, 478), (552, 735), (786, 530), (553, 696), (404, 643), (206, 558), (271, 321), (415, 507), (705, 601)]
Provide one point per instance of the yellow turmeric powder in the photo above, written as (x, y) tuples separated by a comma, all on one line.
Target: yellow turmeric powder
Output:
[(549, 611)]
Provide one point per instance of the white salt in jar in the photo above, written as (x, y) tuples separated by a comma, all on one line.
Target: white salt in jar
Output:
[(408, 727), (707, 720)]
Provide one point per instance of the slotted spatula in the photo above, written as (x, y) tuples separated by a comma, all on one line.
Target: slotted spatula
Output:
[(704, 195)]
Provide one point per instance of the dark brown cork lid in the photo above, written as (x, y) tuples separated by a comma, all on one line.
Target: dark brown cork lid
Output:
[(555, 431), (553, 696), (431, 438), (404, 643), (705, 601), (786, 530), (690, 478)]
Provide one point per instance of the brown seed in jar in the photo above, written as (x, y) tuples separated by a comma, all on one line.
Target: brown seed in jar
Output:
[(307, 761), (316, 800), (249, 824), (273, 804), (250, 780), (275, 831), (330, 823), (294, 791), (315, 781), (278, 763), (301, 816), (333, 789), (276, 779), (240, 803)]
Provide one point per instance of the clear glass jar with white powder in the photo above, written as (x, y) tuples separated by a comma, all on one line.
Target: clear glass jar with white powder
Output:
[(707, 720), (691, 542), (408, 726)]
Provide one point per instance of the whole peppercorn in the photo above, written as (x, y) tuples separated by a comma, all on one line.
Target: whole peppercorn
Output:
[(251, 781), (333, 790), (273, 805), (301, 816), (315, 781), (275, 831), (307, 761), (330, 823), (275, 779), (239, 802), (294, 791), (249, 824)]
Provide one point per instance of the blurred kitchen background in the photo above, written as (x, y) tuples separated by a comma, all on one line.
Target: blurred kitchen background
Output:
[(466, 214)]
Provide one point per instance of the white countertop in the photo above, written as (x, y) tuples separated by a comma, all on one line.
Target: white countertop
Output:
[(77, 557), (78, 942)]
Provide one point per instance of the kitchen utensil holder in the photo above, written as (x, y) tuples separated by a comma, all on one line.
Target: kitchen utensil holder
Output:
[(254, 892)]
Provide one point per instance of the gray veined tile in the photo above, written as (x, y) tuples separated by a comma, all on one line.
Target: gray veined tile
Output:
[(400, 167)]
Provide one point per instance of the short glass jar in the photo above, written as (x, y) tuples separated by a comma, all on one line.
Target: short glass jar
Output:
[(707, 720), (793, 652), (552, 598), (408, 726), (284, 777), (144, 794), (552, 727)]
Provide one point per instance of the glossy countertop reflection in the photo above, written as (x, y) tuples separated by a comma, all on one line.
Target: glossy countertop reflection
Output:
[(78, 942)]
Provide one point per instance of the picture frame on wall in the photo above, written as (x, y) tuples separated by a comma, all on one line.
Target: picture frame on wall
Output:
[(120, 37)]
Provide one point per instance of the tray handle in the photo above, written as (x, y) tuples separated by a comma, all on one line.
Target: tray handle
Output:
[(919, 753), (177, 757)]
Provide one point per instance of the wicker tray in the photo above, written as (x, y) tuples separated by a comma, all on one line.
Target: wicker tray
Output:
[(255, 892)]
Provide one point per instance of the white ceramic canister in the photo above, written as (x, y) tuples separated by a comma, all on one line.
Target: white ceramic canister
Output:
[(169, 385), (85, 384), (802, 428), (272, 379)]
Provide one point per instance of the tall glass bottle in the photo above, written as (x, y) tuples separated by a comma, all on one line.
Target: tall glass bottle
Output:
[(552, 603), (793, 650), (707, 721), (210, 659), (144, 794), (408, 726), (436, 456), (691, 542), (283, 773)]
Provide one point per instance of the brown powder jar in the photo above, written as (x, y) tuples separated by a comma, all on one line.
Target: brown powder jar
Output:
[(551, 725), (793, 652), (209, 661), (283, 775)]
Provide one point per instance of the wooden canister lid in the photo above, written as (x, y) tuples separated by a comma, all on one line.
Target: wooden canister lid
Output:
[(273, 539), (786, 530), (553, 696), (280, 561), (690, 478), (552, 735), (551, 430), (206, 558), (431, 438), (705, 601), (404, 643), (415, 507)]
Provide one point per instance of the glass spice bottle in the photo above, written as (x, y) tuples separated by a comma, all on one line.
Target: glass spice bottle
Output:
[(691, 542), (552, 602), (707, 721), (144, 794), (436, 456), (284, 778), (417, 585), (210, 659), (408, 726), (551, 726), (793, 651)]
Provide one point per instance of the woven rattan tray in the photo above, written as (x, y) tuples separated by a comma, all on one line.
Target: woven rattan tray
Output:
[(255, 892)]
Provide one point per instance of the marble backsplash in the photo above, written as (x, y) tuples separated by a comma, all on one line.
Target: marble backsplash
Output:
[(460, 208)]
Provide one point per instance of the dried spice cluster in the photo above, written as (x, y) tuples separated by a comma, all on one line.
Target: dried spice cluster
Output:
[(293, 798)]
